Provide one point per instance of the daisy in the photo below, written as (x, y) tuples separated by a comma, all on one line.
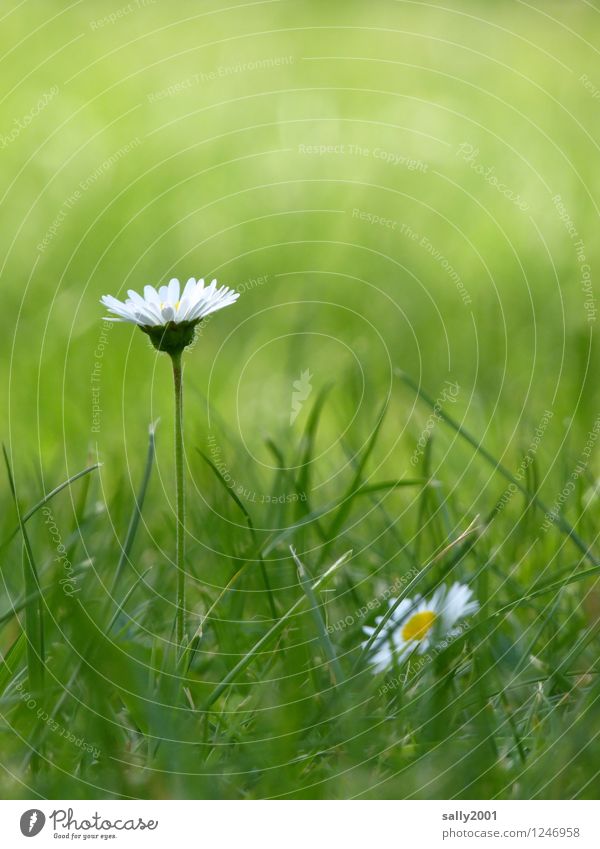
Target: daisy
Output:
[(417, 623), (169, 316)]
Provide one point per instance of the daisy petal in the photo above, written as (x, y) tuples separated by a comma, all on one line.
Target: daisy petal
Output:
[(173, 289), (157, 307)]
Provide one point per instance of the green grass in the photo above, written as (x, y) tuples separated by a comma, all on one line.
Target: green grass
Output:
[(164, 151)]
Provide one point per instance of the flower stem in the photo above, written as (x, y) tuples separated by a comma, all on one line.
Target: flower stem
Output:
[(180, 496)]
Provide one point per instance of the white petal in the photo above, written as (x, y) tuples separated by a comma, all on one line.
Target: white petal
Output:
[(170, 303), (457, 605), (382, 658), (437, 599), (183, 310), (148, 315), (405, 607), (173, 291), (133, 296), (189, 288), (212, 301), (151, 295), (109, 301), (118, 308)]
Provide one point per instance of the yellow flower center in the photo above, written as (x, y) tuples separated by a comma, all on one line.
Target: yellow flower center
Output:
[(419, 625)]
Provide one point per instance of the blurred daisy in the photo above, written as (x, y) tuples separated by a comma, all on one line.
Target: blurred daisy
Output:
[(418, 623)]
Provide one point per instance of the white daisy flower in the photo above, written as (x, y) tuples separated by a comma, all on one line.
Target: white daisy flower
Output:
[(417, 623), (169, 304), (168, 315)]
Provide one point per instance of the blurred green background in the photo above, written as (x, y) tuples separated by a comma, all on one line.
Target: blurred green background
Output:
[(217, 183), (394, 186)]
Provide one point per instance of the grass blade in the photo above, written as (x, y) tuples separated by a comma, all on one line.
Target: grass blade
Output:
[(33, 510), (354, 488), (85, 657), (326, 644), (371, 488), (271, 633), (367, 489), (34, 614), (559, 521), (11, 661), (472, 528), (307, 442), (136, 515), (250, 524), (230, 492)]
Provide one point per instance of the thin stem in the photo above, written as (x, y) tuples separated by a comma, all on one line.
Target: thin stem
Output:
[(180, 496)]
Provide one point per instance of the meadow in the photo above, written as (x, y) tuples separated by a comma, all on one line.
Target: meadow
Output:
[(406, 195)]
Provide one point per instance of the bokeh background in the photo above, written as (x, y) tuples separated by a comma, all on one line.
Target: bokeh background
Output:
[(395, 188), (190, 142)]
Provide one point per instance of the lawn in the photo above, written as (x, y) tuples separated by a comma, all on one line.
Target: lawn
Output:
[(404, 397)]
